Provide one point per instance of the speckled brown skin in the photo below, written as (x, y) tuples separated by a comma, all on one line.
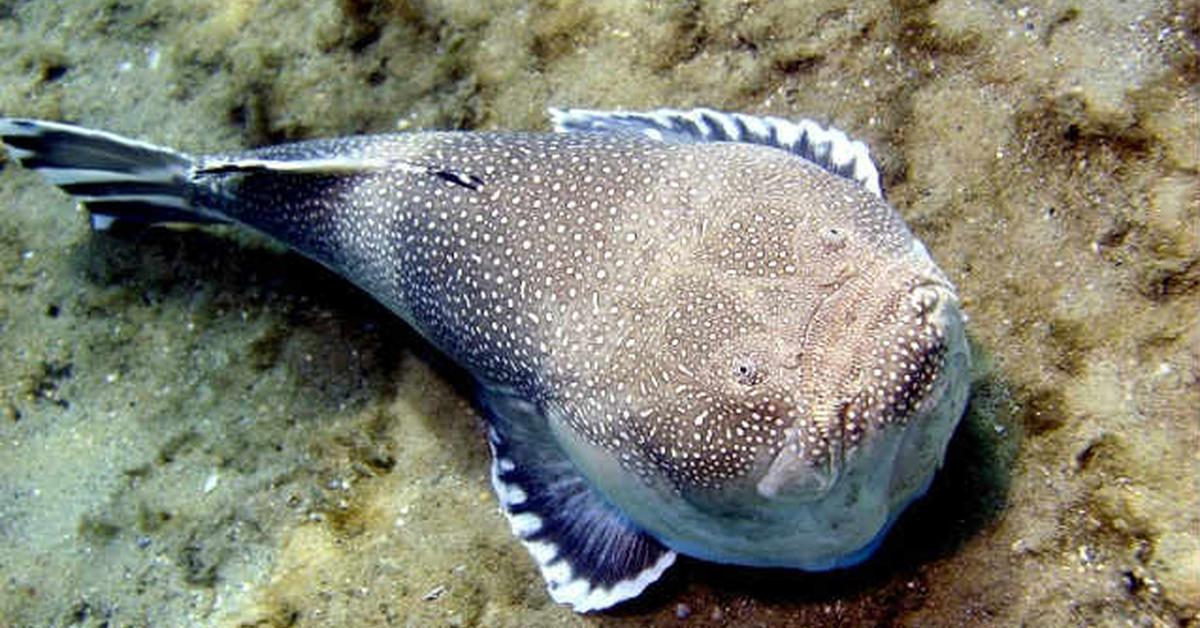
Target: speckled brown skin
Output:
[(717, 348), (724, 323)]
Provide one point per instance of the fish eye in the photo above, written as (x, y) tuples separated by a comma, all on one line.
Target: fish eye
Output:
[(833, 238), (747, 370)]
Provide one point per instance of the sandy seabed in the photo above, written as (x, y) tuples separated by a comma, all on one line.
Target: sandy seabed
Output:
[(199, 428)]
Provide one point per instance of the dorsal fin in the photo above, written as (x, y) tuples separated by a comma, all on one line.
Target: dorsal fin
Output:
[(828, 148)]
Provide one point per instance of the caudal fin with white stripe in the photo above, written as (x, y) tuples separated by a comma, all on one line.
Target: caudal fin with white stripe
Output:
[(115, 178)]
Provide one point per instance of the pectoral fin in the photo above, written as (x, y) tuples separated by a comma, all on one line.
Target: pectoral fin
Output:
[(591, 556)]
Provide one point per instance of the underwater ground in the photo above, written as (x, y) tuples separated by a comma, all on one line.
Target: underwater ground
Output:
[(199, 428)]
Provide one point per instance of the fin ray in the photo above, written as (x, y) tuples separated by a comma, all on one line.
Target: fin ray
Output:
[(114, 177), (828, 148), (590, 555)]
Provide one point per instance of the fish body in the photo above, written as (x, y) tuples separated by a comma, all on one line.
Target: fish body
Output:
[(692, 331)]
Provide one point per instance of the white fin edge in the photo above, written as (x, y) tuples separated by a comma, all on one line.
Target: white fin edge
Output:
[(709, 125), (581, 596), (102, 222), (70, 176), (161, 200), (27, 127), (564, 588), (18, 154)]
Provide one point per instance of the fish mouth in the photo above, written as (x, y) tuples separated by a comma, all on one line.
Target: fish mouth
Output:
[(795, 476)]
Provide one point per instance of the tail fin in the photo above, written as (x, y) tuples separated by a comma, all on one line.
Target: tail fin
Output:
[(113, 177)]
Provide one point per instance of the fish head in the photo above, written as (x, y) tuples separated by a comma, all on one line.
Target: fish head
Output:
[(808, 373)]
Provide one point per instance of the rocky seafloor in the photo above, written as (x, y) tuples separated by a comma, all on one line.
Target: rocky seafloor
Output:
[(199, 428)]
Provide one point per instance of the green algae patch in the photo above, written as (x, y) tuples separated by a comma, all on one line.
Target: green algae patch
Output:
[(382, 542)]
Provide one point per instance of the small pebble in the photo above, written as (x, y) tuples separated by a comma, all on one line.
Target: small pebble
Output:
[(435, 593)]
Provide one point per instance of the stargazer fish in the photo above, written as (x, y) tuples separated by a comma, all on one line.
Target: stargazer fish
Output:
[(692, 331)]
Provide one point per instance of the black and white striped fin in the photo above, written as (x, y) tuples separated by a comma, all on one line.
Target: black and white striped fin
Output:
[(115, 178), (590, 555), (829, 148)]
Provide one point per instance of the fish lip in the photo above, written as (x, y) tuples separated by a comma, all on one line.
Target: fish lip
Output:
[(793, 476)]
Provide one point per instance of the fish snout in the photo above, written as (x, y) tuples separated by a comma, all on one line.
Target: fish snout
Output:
[(895, 383), (906, 362)]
